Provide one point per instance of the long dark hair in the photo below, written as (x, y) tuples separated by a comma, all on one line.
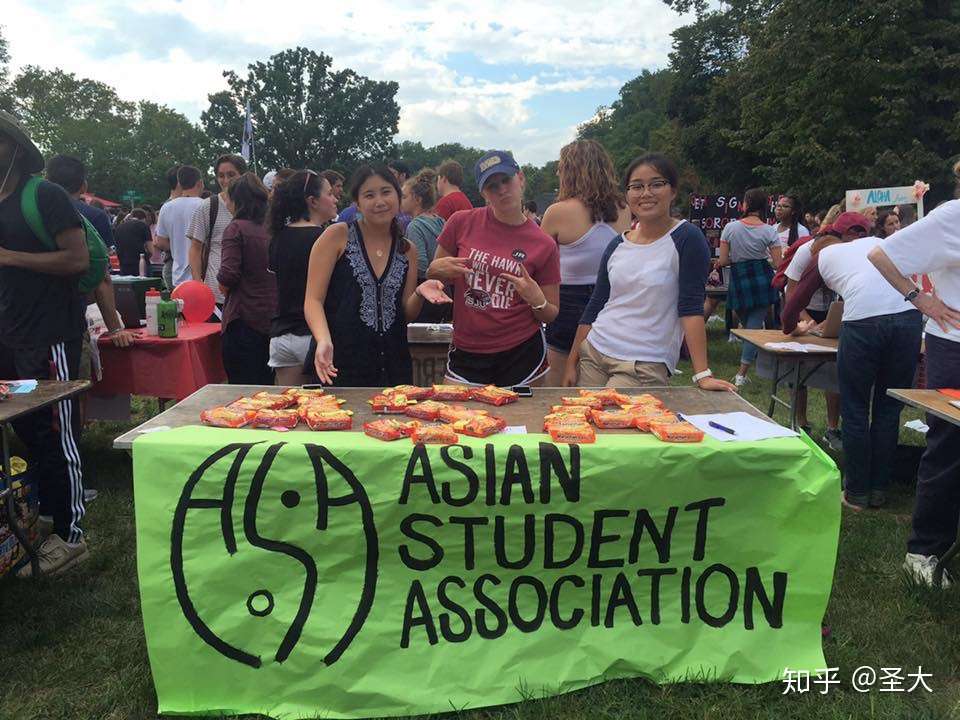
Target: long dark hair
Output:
[(289, 201), (796, 213), (364, 173), (756, 200), (249, 197)]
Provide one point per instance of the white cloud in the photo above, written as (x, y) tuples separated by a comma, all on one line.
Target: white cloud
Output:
[(174, 53)]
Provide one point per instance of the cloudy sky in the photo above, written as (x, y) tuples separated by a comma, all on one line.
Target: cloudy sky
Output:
[(486, 73)]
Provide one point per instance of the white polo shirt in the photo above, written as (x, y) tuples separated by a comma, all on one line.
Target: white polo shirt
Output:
[(845, 270), (932, 246)]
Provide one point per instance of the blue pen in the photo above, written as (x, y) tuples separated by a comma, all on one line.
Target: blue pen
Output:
[(718, 426)]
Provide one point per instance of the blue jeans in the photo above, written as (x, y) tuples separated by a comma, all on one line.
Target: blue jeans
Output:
[(751, 319), (875, 354)]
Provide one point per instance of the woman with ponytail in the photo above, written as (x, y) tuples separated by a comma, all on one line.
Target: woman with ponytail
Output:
[(300, 207), (362, 290)]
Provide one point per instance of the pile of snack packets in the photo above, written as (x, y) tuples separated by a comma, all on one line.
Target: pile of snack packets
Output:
[(574, 420), (436, 415), (315, 408)]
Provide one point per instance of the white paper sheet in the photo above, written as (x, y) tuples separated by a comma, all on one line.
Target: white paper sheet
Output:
[(746, 426), (514, 430), (799, 347), (919, 425)]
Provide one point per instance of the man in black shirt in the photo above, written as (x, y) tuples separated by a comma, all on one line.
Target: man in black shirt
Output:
[(40, 329)]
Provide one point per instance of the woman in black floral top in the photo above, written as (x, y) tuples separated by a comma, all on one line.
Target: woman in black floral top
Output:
[(362, 290)]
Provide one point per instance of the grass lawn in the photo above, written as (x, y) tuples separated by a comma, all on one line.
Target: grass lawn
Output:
[(74, 646)]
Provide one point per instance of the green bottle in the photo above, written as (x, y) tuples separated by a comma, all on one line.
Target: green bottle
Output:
[(166, 316)]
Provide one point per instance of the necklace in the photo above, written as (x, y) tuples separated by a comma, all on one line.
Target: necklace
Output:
[(379, 253)]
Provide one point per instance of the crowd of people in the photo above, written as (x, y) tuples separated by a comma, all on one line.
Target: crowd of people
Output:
[(606, 289)]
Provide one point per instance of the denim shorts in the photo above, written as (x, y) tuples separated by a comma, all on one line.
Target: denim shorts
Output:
[(573, 299), (289, 350)]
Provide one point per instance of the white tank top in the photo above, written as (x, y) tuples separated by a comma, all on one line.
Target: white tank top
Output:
[(580, 260)]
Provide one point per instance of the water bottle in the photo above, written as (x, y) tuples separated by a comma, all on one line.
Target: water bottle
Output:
[(151, 301), (166, 316)]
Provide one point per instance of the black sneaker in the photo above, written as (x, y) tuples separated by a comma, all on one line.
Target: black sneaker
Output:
[(833, 439)]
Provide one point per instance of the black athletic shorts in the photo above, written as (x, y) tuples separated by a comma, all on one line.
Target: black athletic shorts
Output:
[(519, 365)]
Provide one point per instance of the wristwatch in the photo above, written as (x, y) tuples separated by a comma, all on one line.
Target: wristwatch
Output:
[(912, 295), (701, 375)]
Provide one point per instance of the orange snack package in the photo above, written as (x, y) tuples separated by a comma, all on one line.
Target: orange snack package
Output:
[(325, 418), (274, 401), (329, 402), (576, 410), (299, 392), (245, 403), (644, 421), (608, 396), (643, 399), (573, 434), (441, 434), (452, 413), (562, 420), (459, 393), (613, 419), (426, 410), (395, 403), (583, 400), (227, 417), (679, 432), (385, 429), (411, 391), (493, 395), (267, 418), (480, 425)]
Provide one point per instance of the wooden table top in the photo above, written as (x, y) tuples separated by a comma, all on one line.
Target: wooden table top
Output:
[(48, 392), (527, 411), (933, 402), (761, 337)]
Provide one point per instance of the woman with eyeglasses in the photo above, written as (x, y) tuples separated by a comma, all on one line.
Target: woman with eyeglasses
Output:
[(362, 290), (788, 212), (747, 245), (301, 207), (649, 294), (506, 273), (589, 212)]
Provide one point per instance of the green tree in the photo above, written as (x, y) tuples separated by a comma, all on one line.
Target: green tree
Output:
[(304, 113), (6, 99), (124, 145), (637, 121), (880, 106), (418, 156)]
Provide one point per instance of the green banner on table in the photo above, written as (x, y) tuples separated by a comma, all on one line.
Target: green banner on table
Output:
[(330, 574)]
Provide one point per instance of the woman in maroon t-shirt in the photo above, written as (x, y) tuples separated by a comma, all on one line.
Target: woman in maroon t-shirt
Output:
[(506, 276)]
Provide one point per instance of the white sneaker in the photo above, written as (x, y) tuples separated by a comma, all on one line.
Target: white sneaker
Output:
[(740, 380), (921, 568), (731, 338)]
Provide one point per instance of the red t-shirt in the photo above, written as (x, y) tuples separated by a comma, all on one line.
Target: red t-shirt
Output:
[(449, 204), (489, 316)]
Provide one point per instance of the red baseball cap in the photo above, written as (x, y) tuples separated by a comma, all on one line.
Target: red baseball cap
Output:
[(846, 221)]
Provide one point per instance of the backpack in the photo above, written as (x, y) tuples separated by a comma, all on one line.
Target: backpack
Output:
[(99, 257)]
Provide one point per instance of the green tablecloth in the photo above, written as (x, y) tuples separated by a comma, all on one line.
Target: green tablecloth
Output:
[(330, 574)]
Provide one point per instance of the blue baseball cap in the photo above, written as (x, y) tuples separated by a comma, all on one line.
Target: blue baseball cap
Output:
[(493, 162)]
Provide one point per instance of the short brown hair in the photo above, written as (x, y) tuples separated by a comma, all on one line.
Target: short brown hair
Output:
[(249, 196), (452, 172), (238, 162), (333, 177)]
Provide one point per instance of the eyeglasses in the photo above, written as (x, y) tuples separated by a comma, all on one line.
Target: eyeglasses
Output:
[(653, 186), (310, 174), (784, 207)]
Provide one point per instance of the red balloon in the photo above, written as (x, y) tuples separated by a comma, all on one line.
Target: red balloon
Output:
[(198, 300)]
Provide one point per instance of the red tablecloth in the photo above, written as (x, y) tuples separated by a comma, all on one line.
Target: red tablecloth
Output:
[(163, 367)]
